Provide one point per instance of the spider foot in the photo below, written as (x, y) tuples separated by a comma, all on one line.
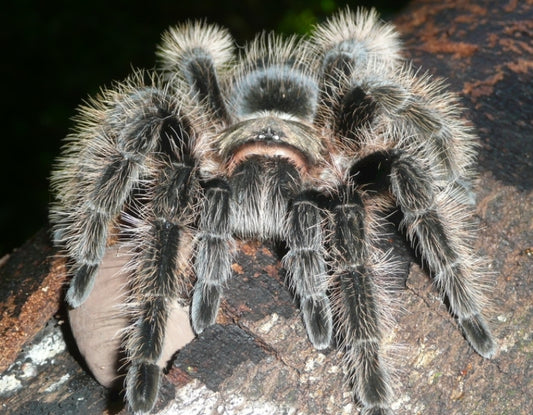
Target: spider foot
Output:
[(318, 321), (142, 386), (204, 307), (477, 333), (81, 285)]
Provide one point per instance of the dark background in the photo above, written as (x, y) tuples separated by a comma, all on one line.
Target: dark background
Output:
[(57, 53)]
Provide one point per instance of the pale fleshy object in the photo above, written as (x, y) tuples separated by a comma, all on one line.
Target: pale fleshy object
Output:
[(98, 323)]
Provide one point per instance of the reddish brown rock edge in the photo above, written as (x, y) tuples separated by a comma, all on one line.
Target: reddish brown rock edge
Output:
[(31, 283)]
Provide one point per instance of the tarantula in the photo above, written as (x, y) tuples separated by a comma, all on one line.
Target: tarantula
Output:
[(305, 141)]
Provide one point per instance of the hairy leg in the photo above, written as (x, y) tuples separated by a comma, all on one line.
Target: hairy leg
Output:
[(307, 267), (103, 162), (439, 225), (214, 254), (160, 274), (356, 302)]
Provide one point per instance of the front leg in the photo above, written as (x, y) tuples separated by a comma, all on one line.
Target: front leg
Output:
[(214, 256), (359, 302), (307, 267), (159, 273)]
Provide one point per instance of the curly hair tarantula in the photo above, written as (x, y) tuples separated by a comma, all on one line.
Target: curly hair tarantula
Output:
[(308, 142)]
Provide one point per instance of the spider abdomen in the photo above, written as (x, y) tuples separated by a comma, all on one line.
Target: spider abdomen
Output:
[(277, 88)]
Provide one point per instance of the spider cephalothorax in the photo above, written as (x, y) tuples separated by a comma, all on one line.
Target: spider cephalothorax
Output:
[(309, 142)]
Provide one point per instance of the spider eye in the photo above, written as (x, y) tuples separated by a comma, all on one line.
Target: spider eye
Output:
[(277, 88)]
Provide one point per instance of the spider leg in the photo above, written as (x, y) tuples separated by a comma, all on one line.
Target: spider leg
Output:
[(368, 102), (115, 136), (195, 53), (346, 45), (442, 245), (214, 254), (307, 267), (431, 121), (355, 300), (160, 272)]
